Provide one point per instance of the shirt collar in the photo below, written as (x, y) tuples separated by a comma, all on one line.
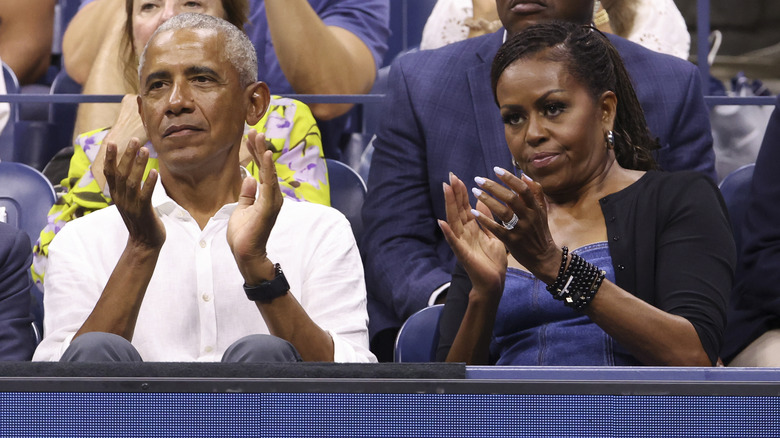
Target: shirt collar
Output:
[(165, 205)]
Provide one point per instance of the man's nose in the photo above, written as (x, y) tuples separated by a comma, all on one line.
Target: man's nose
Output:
[(179, 98)]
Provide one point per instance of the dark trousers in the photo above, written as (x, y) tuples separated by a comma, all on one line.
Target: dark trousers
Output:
[(108, 347)]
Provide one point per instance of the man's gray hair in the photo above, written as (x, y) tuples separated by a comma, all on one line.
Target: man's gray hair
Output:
[(239, 50)]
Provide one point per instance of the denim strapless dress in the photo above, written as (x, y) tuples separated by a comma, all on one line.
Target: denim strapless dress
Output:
[(532, 328)]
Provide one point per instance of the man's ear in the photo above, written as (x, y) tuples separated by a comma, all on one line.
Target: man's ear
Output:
[(141, 110), (258, 102), (608, 106)]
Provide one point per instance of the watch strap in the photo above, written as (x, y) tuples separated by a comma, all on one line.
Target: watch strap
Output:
[(267, 291)]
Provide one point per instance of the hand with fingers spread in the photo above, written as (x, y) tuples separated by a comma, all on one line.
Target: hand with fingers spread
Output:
[(252, 221), (482, 255), (132, 196), (520, 205), (128, 125)]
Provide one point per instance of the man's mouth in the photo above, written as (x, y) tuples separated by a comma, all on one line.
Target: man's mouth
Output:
[(525, 7), (179, 130)]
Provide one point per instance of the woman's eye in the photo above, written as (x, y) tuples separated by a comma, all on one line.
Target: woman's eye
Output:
[(192, 4), (147, 6), (554, 109), (513, 119)]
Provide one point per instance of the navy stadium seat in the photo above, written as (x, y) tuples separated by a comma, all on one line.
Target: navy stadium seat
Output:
[(347, 193), (418, 338), (735, 189), (7, 134)]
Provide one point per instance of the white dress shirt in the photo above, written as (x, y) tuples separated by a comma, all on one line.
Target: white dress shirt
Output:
[(195, 306)]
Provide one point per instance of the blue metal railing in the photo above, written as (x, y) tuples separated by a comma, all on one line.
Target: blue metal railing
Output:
[(318, 98), (116, 98)]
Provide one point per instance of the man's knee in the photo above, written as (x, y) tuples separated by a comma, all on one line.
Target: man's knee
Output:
[(261, 348), (100, 347), (763, 352)]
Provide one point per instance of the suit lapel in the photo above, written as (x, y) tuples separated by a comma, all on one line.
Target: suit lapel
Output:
[(487, 117)]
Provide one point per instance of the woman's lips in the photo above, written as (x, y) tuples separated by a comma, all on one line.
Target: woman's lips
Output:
[(543, 160)]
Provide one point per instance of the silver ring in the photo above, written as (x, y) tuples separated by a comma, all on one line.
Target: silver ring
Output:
[(511, 224)]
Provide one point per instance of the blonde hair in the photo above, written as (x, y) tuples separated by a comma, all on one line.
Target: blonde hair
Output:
[(236, 12)]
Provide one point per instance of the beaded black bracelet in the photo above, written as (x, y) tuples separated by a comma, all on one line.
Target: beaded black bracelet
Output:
[(582, 297), (577, 284), (560, 281)]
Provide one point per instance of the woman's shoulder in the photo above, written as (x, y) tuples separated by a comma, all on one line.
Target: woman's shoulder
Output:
[(660, 190), (680, 181), (668, 182)]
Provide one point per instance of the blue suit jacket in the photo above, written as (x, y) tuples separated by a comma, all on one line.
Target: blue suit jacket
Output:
[(441, 118), (17, 341), (755, 301)]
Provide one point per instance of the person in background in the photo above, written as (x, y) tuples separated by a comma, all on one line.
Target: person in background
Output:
[(198, 263), (26, 35), (439, 117), (753, 332), (17, 339), (610, 261), (655, 24), (455, 20), (303, 47)]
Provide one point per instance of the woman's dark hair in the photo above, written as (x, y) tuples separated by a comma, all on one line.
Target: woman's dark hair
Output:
[(236, 12), (592, 60)]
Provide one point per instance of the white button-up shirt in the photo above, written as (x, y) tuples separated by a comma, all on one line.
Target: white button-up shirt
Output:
[(195, 306)]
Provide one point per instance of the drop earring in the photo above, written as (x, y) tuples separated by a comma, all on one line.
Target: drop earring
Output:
[(610, 140)]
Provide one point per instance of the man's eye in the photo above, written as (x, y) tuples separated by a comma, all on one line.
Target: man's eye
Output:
[(155, 85)]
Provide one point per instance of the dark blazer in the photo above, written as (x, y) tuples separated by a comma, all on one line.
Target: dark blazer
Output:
[(17, 341), (440, 117), (755, 301)]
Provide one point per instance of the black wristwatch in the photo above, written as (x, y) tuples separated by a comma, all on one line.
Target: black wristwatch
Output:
[(266, 291)]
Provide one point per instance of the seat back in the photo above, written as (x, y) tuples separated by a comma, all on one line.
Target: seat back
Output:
[(372, 112), (7, 134), (407, 20), (33, 143), (418, 338), (25, 197), (63, 115), (347, 193), (735, 189)]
